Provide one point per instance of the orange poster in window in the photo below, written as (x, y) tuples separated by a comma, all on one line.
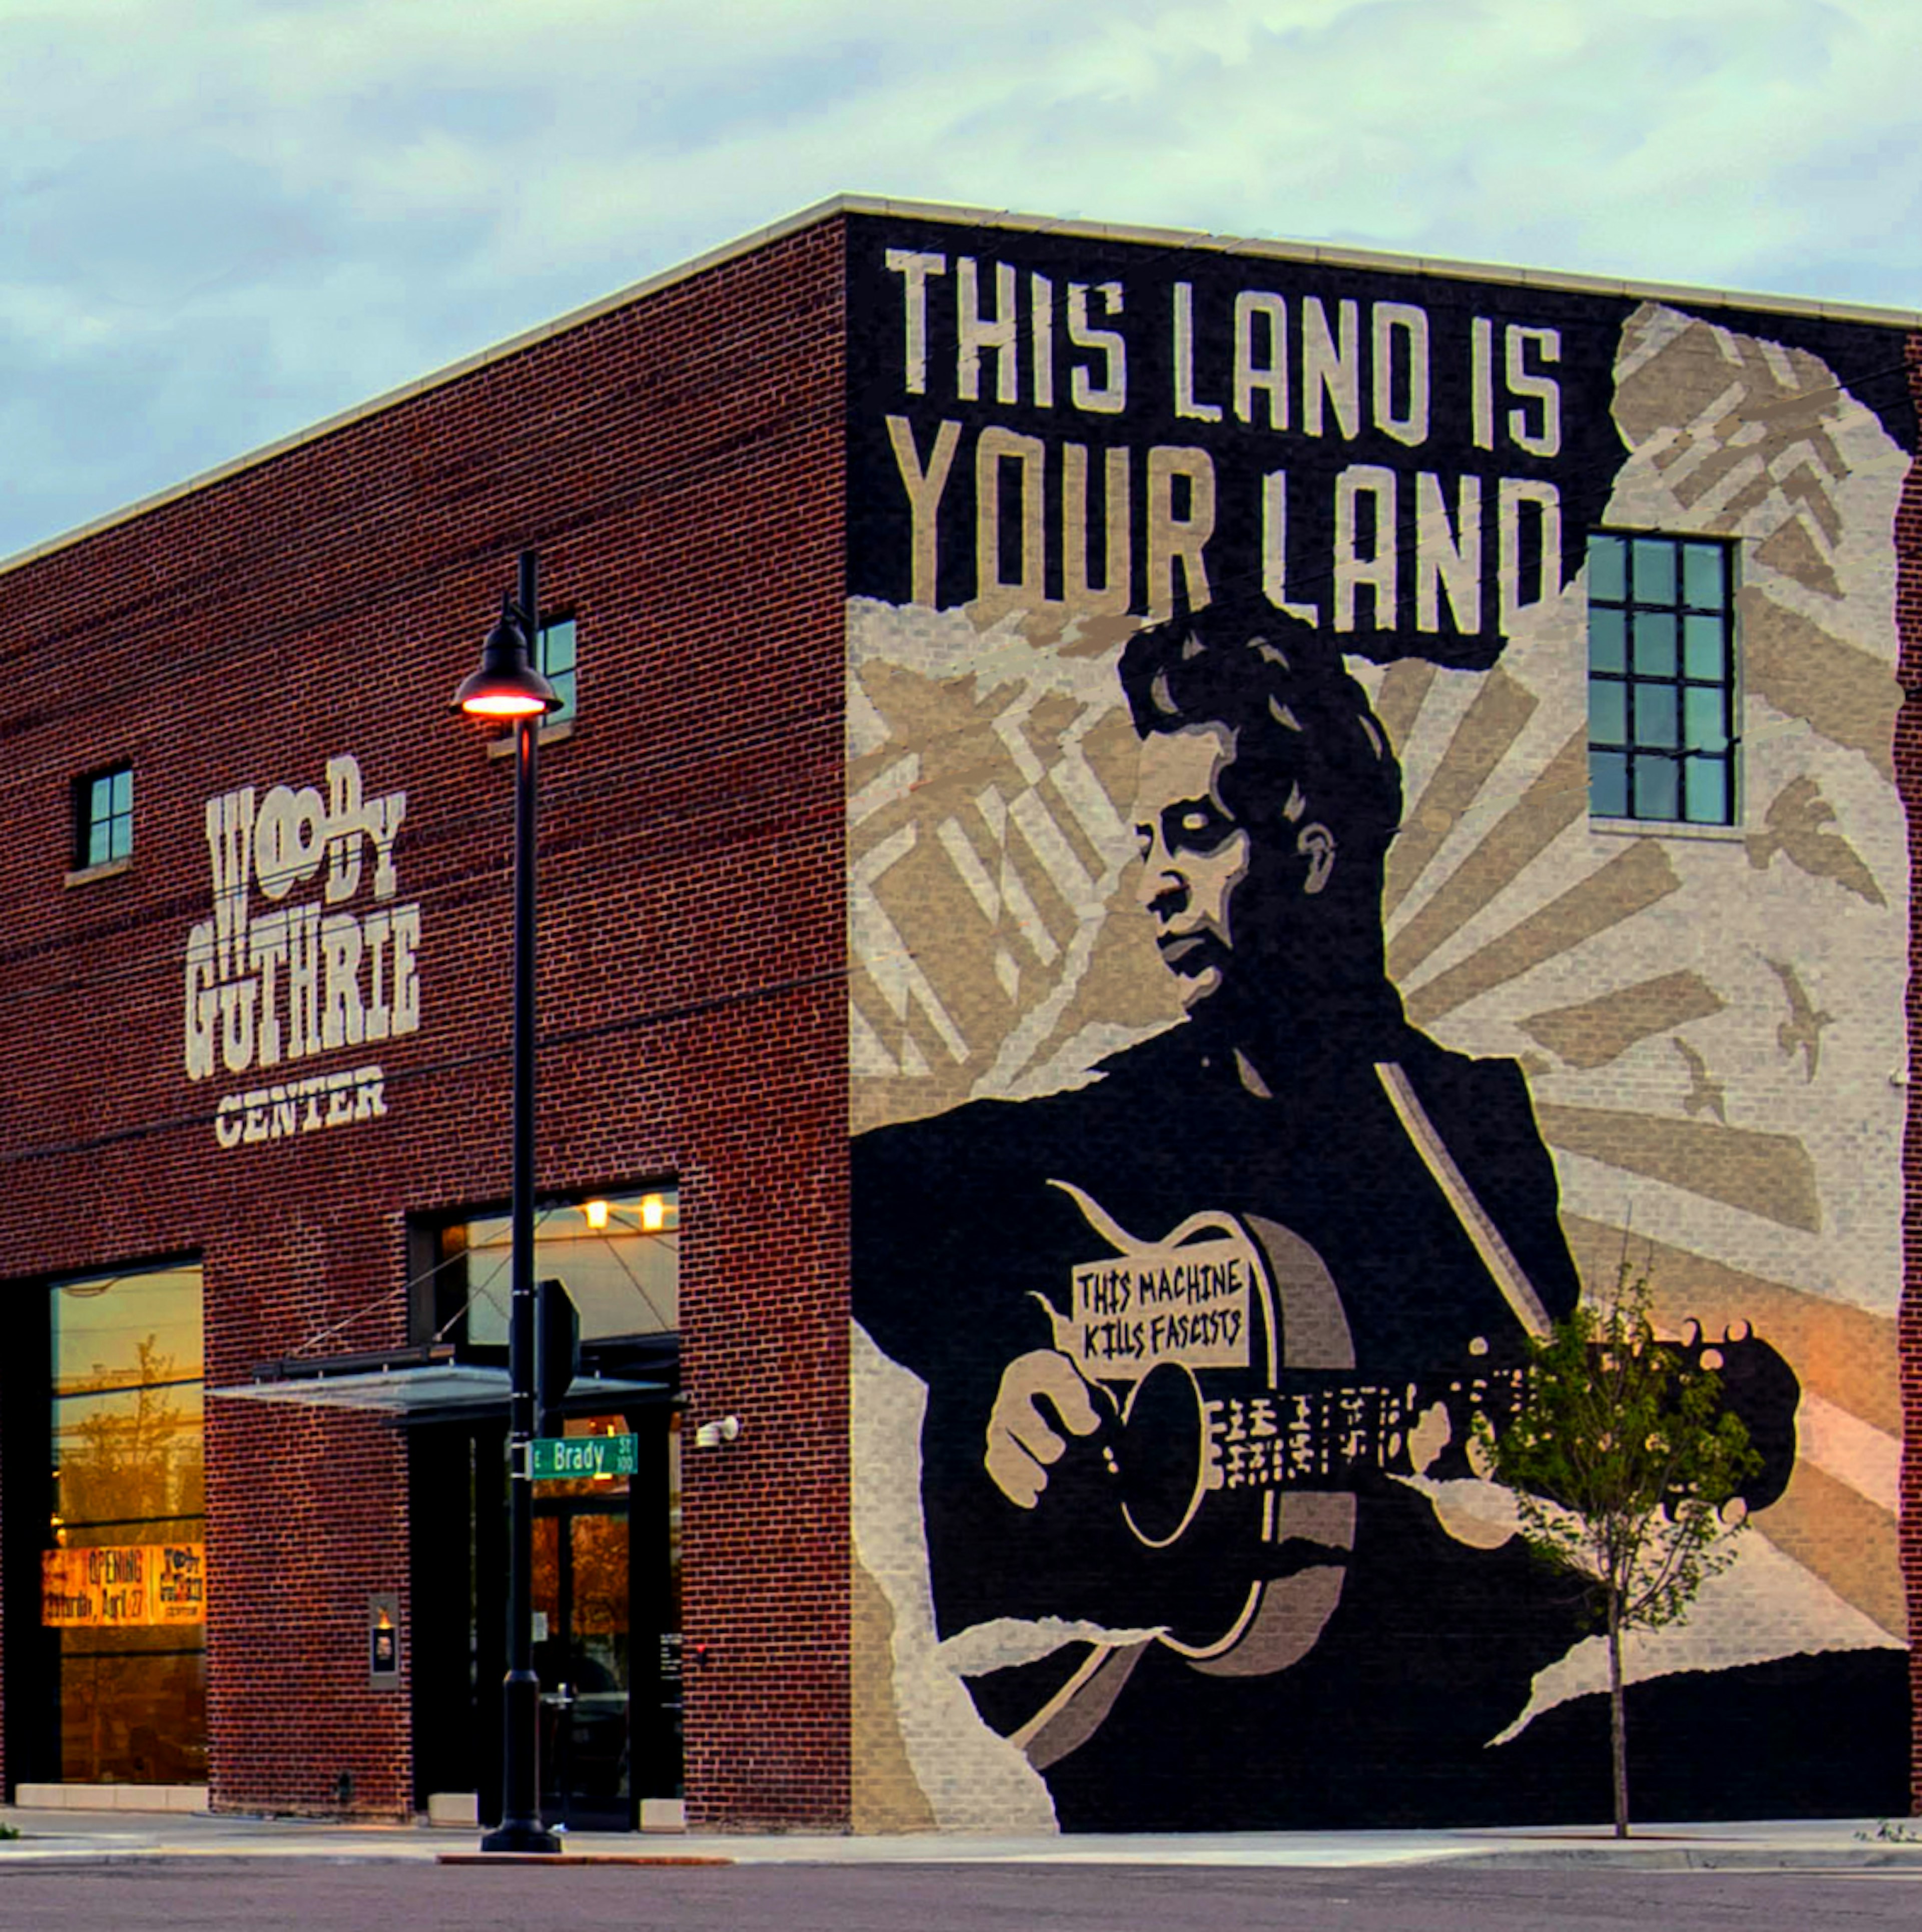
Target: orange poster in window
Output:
[(124, 1585)]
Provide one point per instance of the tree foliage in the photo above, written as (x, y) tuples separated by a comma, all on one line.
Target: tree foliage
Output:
[(1625, 1468)]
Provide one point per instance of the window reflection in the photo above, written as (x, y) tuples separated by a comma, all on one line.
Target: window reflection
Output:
[(618, 1254), (129, 1458), (124, 1572), (119, 1330)]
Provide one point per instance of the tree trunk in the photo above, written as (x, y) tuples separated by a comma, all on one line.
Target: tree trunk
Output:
[(1617, 1715)]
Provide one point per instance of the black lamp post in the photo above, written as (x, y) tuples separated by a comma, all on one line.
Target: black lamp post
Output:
[(508, 686)]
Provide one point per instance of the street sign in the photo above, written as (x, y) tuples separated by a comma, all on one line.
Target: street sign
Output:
[(568, 1458)]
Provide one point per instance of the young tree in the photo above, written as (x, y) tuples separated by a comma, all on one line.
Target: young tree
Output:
[(1625, 1465)]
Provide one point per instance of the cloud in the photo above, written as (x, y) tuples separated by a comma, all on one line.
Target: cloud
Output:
[(219, 223)]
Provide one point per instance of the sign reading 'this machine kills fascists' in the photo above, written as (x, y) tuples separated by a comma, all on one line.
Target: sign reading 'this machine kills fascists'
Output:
[(327, 965)]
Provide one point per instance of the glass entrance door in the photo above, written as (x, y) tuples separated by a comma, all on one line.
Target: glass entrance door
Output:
[(584, 1660), (583, 1656), (606, 1601)]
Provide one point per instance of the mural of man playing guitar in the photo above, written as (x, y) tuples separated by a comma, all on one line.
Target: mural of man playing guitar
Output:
[(1201, 1338)]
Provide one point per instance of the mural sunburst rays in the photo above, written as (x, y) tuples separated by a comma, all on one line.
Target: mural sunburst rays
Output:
[(988, 788), (1682, 1019)]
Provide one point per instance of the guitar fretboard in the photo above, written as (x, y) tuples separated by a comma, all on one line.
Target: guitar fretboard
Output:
[(1318, 1434)]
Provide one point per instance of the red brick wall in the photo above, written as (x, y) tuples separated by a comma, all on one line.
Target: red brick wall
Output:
[(1908, 778), (678, 464)]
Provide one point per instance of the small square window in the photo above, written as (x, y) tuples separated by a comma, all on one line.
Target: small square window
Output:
[(1663, 712), (556, 666), (103, 817)]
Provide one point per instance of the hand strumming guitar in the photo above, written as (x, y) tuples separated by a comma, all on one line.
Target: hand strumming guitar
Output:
[(1022, 1443)]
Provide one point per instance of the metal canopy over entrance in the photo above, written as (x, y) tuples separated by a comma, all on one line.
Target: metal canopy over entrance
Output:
[(413, 1385)]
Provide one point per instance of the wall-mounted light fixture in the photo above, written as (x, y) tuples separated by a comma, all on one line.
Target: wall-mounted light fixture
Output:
[(713, 1435)]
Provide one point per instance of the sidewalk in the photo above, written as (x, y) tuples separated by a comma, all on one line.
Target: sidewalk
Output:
[(1797, 1845)]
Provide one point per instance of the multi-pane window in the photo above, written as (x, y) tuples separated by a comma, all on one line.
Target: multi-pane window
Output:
[(123, 1569), (103, 817), (557, 665), (1662, 728)]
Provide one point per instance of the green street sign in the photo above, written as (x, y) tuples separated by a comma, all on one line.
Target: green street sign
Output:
[(568, 1458)]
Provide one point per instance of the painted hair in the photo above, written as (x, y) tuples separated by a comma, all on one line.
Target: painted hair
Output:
[(1298, 717)]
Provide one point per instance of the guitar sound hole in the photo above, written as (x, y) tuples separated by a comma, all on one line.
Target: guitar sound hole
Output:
[(1164, 1443)]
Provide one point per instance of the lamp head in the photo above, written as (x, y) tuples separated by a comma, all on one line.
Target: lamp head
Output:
[(505, 685)]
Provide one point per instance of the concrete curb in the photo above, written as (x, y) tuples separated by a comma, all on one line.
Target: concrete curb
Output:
[(559, 1860), (1832, 1845), (1698, 1858), (1674, 1859)]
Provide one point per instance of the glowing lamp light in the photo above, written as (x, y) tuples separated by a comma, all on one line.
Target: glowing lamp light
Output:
[(503, 704), (505, 685), (596, 1212), (653, 1212)]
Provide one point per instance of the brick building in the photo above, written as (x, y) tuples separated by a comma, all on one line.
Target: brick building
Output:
[(1158, 848)]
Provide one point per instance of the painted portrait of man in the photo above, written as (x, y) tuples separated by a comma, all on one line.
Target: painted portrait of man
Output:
[(1110, 1292)]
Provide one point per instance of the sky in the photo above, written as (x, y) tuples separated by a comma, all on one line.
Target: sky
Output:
[(225, 219)]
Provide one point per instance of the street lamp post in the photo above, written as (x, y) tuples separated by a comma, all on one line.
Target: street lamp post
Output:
[(508, 685)]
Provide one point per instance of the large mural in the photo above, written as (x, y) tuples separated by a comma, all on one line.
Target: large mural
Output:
[(1255, 1036)]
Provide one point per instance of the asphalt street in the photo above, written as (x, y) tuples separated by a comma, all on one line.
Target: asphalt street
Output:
[(316, 1894)]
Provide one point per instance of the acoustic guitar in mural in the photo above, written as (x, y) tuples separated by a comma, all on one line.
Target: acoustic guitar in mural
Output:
[(1239, 1430)]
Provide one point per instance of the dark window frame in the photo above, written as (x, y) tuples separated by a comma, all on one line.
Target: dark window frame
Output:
[(103, 818), (1664, 686)]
